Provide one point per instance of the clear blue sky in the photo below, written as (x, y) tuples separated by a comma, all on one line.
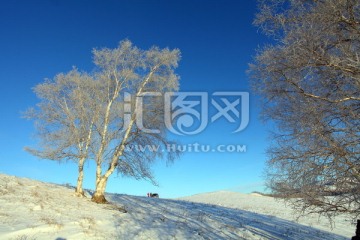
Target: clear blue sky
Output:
[(39, 39)]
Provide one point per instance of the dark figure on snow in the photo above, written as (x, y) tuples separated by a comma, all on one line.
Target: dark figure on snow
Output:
[(153, 195), (357, 233)]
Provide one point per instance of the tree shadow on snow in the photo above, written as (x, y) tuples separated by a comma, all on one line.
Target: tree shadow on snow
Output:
[(175, 219)]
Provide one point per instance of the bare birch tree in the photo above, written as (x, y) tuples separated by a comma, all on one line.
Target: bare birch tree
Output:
[(113, 116), (125, 74), (309, 81), (64, 120)]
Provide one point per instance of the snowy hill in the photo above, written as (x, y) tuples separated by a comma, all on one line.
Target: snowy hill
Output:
[(257, 203), (35, 210)]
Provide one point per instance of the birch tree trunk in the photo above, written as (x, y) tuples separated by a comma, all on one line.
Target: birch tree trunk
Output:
[(79, 186), (99, 194), (79, 191), (101, 181)]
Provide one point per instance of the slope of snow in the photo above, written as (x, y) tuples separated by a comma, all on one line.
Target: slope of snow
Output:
[(35, 210), (260, 204)]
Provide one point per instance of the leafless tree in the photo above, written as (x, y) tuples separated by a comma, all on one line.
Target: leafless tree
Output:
[(309, 82), (121, 132), (64, 119), (112, 116)]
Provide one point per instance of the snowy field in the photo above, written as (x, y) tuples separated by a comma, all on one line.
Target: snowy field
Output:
[(36, 210), (273, 207)]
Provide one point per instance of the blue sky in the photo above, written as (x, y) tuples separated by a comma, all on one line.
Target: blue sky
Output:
[(217, 40)]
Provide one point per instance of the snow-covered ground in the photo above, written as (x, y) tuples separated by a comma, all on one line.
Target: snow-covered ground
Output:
[(35, 210), (270, 206)]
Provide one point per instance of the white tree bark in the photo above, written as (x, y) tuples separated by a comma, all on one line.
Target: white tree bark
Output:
[(79, 186), (101, 181)]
